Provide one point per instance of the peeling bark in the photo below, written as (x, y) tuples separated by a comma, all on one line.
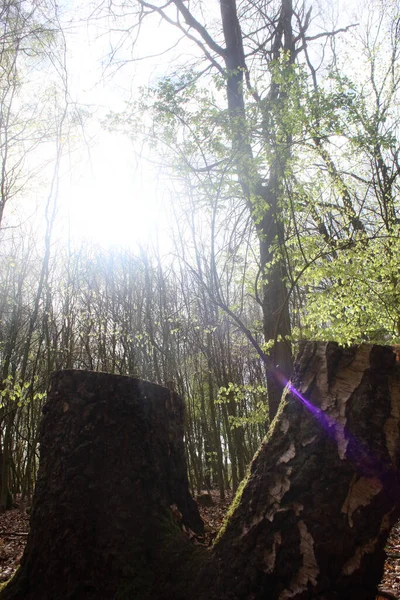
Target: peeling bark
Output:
[(323, 490)]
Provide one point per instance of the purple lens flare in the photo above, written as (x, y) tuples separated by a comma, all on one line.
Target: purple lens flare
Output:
[(363, 460)]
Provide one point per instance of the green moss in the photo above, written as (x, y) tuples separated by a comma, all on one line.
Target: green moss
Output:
[(243, 483), (139, 580), (277, 418), (180, 561), (4, 585), (232, 508), (163, 566)]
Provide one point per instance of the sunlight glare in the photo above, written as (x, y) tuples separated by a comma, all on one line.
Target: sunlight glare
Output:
[(112, 200)]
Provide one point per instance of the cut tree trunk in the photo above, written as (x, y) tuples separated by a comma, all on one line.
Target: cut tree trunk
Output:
[(323, 491), (112, 463), (310, 521)]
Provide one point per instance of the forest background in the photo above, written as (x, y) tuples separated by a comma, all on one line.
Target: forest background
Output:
[(259, 169)]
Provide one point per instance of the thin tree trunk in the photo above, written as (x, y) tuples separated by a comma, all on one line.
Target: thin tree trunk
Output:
[(215, 428)]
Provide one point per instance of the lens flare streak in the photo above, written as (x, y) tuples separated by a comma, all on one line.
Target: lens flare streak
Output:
[(366, 463)]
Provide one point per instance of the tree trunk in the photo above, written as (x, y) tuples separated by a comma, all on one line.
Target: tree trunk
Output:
[(310, 522), (323, 491), (270, 229), (112, 465), (6, 500)]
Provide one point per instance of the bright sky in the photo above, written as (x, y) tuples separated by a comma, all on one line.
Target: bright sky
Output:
[(108, 195), (112, 199)]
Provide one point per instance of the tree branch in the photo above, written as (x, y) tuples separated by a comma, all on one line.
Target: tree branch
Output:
[(201, 30)]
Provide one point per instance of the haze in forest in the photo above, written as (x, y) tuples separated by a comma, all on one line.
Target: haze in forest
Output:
[(190, 217)]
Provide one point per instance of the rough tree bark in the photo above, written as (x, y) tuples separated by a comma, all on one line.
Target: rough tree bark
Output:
[(310, 521), (323, 490), (112, 462)]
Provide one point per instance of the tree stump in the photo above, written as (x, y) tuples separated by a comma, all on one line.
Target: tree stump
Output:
[(323, 492), (112, 462)]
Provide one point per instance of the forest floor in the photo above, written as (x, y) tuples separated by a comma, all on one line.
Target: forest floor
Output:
[(14, 527)]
